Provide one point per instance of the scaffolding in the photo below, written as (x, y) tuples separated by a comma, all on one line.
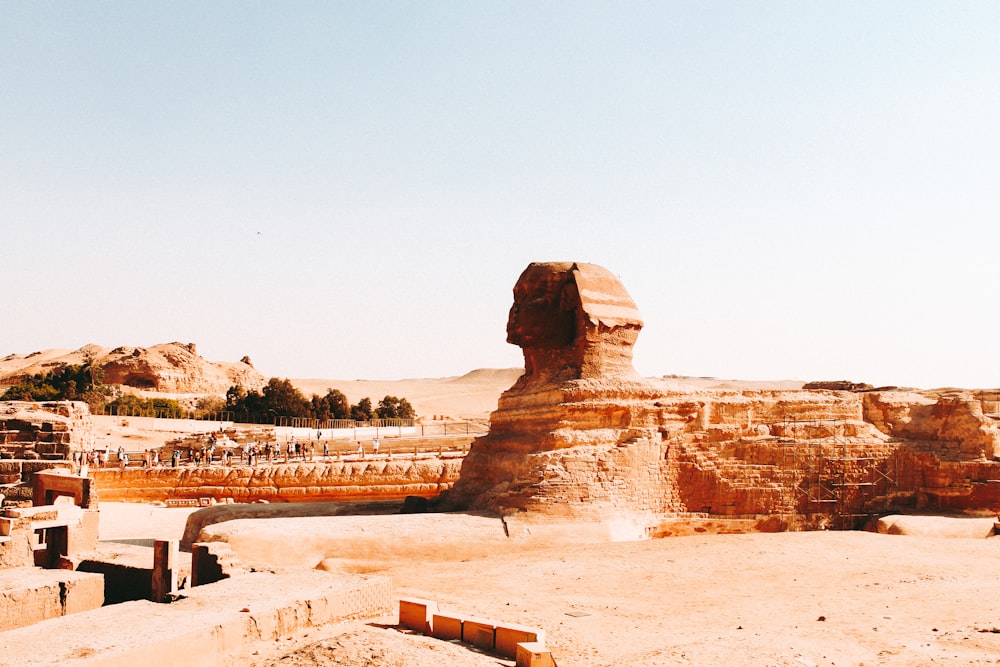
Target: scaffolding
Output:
[(836, 477)]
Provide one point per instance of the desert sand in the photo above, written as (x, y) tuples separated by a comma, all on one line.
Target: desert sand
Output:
[(807, 598), (470, 396)]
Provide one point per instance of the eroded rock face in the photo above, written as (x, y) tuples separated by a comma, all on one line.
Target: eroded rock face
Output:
[(581, 436), (953, 421), (175, 368)]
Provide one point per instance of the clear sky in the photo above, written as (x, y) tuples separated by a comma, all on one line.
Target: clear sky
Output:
[(789, 190)]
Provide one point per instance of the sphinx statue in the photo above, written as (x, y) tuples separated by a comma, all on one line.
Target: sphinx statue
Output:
[(579, 396), (581, 438)]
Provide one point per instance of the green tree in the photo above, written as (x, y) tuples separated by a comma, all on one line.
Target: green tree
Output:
[(282, 399), (392, 407), (338, 404), (65, 383), (209, 407), (235, 397), (362, 412), (319, 408), (153, 407)]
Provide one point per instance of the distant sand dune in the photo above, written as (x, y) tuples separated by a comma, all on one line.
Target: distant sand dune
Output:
[(470, 396)]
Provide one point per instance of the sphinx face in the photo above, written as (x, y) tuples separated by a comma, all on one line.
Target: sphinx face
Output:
[(544, 312)]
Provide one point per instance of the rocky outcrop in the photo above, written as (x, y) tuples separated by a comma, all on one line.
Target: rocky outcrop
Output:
[(580, 436), (951, 423), (839, 385), (174, 368)]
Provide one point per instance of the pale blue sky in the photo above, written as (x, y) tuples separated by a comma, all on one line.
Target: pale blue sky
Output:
[(350, 189)]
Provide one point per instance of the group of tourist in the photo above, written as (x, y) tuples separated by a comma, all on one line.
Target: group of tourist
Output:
[(98, 458), (101, 458), (250, 453)]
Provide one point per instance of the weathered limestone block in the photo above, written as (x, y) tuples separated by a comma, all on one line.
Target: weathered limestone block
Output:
[(29, 595), (937, 526), (953, 417), (30, 428)]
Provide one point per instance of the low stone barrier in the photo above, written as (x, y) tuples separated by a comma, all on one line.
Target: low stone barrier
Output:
[(345, 481), (218, 624)]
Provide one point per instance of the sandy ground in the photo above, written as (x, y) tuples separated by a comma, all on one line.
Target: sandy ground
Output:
[(765, 599), (821, 598), (470, 396), (124, 520)]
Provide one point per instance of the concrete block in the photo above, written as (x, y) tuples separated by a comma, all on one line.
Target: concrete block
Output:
[(533, 654), (509, 635), (447, 627), (479, 632), (417, 614)]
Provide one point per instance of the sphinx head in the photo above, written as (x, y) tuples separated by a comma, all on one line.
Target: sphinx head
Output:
[(573, 321)]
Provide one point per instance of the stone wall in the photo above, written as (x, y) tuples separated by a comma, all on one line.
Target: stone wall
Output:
[(17, 476), (44, 429), (376, 479)]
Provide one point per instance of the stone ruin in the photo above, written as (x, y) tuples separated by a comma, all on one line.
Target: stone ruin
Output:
[(39, 436), (581, 437), (43, 430)]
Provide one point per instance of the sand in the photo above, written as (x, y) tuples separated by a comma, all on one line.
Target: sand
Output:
[(819, 598), (470, 396)]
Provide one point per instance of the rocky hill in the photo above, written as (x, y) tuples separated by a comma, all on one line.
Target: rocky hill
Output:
[(171, 368)]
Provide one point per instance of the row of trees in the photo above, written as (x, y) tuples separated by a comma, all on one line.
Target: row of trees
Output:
[(278, 398), (72, 382)]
